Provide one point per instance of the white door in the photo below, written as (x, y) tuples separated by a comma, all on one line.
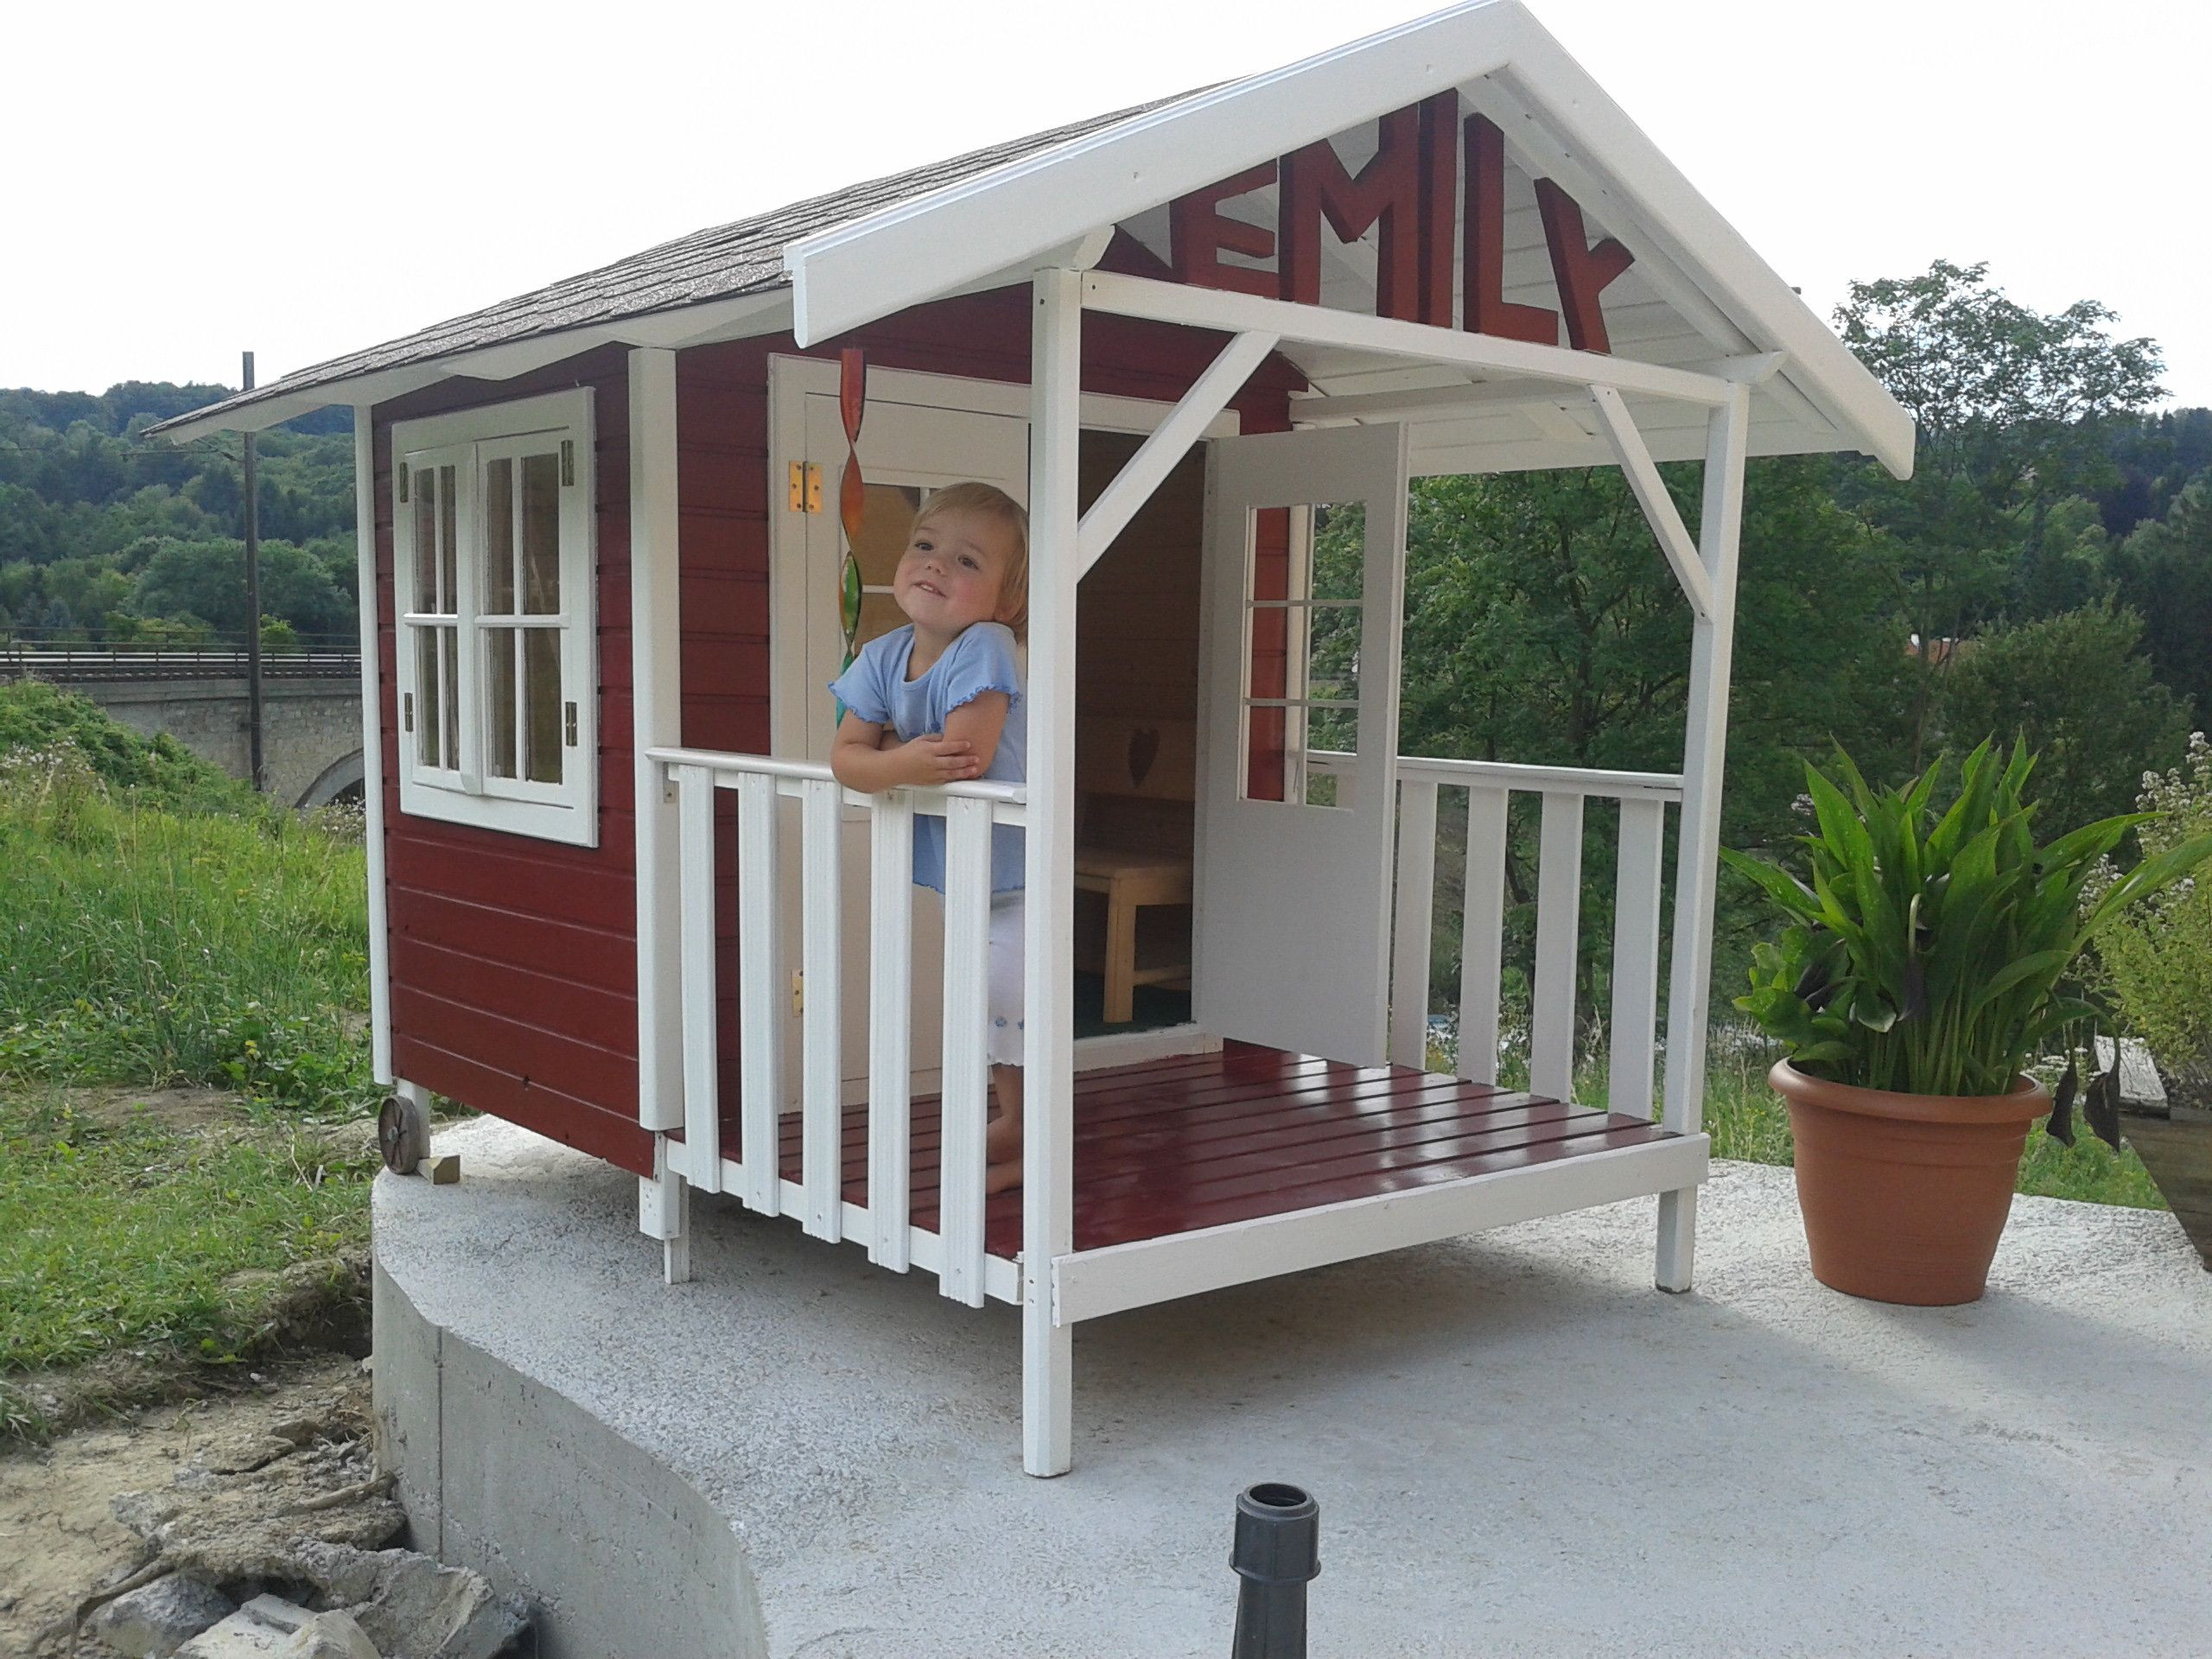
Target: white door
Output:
[(1298, 738), (906, 451)]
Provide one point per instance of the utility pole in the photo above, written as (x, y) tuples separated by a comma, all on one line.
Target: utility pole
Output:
[(252, 607)]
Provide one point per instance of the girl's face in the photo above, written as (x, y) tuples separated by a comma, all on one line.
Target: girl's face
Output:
[(951, 573)]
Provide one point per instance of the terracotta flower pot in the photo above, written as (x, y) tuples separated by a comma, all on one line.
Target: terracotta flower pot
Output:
[(1904, 1195)]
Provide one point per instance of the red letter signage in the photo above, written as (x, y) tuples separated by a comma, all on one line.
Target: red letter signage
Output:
[(1487, 310), (1196, 234), (1581, 271), (1314, 183)]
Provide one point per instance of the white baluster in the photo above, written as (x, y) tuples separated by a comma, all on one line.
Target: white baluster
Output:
[(703, 1133), (965, 1105), (1559, 905), (822, 1027), (760, 1021), (890, 1037), (1416, 905), (1636, 959), (1482, 934)]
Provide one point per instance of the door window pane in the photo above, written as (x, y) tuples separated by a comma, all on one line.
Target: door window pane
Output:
[(542, 701), (426, 539), (541, 534), (448, 549), (499, 537), (1303, 617), (449, 652)]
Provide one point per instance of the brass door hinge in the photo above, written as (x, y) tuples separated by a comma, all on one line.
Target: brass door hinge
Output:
[(407, 712), (403, 481), (799, 990), (805, 487), (569, 721), (567, 460)]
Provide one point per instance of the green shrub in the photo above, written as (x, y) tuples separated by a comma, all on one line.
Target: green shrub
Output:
[(1928, 949), (38, 719), (2157, 957)]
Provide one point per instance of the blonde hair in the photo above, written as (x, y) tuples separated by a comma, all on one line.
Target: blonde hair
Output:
[(989, 501)]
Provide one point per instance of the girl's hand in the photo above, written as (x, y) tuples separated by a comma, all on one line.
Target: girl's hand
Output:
[(937, 760)]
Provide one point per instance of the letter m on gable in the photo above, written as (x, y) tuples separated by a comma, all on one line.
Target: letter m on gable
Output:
[(1314, 184)]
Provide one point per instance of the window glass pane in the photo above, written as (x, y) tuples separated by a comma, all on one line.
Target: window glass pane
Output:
[(541, 534), (449, 645), (428, 726), (425, 597), (500, 713), (1266, 639), (1339, 538), (499, 539), (887, 515), (542, 697), (448, 546)]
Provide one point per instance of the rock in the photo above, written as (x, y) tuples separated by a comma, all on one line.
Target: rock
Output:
[(329, 1636), (410, 1604), (239, 1636), (156, 1620), (277, 1613)]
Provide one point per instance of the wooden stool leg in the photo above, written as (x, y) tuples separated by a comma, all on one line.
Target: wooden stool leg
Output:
[(1120, 959)]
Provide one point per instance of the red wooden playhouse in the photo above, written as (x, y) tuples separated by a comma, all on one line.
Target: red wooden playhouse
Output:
[(617, 897)]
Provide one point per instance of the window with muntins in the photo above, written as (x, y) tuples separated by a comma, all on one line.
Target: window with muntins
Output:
[(497, 686)]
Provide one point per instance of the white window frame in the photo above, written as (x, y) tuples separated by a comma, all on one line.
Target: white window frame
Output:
[(465, 791)]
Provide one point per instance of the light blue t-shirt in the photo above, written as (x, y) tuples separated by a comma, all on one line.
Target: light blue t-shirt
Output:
[(981, 659)]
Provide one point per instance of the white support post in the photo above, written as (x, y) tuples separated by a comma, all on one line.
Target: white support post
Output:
[(1169, 443), (1634, 1017), (760, 1021), (890, 1043), (1416, 905), (664, 1213), (1650, 492), (822, 1166), (1559, 911), (702, 1075), (1048, 1054), (964, 1102), (1482, 933), (1704, 754), (657, 722), (365, 542)]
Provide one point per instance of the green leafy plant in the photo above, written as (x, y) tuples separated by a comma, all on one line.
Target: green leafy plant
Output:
[(2156, 956), (1929, 949)]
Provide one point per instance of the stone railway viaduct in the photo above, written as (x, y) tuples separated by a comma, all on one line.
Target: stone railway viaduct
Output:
[(311, 709)]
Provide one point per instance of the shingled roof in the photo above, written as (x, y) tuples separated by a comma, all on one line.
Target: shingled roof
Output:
[(726, 262)]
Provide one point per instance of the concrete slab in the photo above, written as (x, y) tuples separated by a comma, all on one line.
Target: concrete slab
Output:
[(1519, 1448)]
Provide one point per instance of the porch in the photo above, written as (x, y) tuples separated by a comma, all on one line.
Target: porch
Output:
[(1516, 1446)]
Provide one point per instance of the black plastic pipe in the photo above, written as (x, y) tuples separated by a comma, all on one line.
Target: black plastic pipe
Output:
[(1276, 1553)]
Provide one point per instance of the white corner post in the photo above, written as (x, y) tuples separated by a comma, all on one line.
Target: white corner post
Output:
[(657, 717), (1705, 752), (1048, 1051), (365, 546)]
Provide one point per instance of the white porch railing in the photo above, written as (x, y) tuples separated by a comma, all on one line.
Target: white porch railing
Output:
[(954, 1250), (1491, 785)]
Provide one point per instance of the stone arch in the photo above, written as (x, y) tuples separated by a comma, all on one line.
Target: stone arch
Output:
[(341, 780)]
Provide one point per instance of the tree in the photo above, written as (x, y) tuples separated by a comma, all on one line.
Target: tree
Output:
[(2079, 690), (2165, 571), (2009, 405)]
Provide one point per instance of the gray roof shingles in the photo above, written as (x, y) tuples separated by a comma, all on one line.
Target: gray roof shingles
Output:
[(744, 256)]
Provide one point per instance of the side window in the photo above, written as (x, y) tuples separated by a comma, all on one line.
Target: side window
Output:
[(493, 563)]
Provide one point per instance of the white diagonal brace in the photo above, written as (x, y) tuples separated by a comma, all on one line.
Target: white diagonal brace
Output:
[(1651, 495), (1170, 441)]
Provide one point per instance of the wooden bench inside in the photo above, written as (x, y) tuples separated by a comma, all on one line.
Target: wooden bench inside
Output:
[(1135, 781)]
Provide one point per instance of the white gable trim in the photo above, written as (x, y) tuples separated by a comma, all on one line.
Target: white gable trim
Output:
[(999, 223)]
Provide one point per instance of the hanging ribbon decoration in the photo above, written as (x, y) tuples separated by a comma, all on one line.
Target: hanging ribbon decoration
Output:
[(852, 491)]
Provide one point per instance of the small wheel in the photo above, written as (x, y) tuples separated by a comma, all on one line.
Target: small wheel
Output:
[(402, 1134)]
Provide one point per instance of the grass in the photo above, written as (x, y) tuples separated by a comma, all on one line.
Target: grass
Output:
[(125, 1232)]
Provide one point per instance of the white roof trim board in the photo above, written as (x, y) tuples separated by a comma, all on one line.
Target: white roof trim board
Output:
[(851, 274), (859, 255)]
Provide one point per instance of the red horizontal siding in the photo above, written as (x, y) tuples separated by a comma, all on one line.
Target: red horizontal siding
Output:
[(513, 959)]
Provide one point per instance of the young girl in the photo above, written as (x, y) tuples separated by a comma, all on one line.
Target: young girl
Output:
[(938, 701)]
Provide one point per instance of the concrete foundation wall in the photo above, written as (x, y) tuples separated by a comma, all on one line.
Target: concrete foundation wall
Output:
[(307, 725), (619, 1557)]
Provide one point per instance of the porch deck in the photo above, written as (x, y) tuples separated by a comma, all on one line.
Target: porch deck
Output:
[(1177, 1146)]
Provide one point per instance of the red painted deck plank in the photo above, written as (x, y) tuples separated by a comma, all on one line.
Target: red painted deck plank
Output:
[(1174, 1146)]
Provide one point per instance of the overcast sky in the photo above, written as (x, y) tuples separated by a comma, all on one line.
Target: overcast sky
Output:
[(306, 179)]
